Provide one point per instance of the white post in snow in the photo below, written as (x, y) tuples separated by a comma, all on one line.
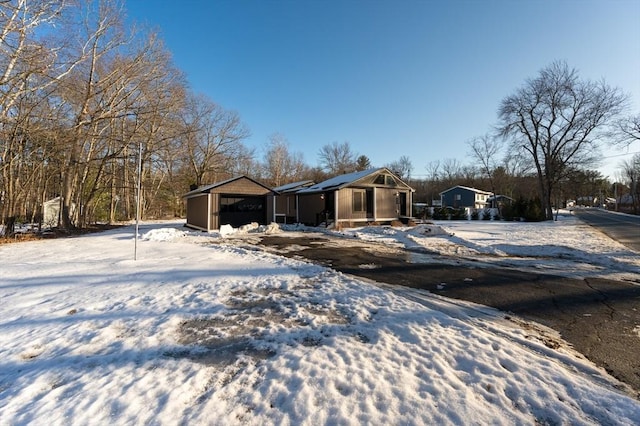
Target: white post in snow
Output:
[(139, 190)]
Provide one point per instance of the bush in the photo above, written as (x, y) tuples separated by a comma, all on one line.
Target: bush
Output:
[(523, 210)]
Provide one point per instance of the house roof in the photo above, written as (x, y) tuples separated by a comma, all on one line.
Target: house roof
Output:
[(207, 188), (467, 188), (292, 187), (342, 181), (500, 197)]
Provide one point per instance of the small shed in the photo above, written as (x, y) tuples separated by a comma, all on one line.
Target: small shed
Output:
[(51, 212), (287, 201), (464, 196), (237, 201), (373, 195)]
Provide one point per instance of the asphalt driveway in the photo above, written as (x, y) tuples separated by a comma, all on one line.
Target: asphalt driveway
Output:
[(600, 318)]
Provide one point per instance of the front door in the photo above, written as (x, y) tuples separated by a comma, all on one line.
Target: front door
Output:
[(402, 199)]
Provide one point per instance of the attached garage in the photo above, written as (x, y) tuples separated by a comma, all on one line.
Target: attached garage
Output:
[(236, 202)]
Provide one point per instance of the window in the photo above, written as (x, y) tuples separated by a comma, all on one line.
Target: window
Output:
[(457, 197), (359, 203), (379, 180)]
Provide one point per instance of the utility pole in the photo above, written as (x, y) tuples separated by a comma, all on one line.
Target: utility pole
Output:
[(139, 191)]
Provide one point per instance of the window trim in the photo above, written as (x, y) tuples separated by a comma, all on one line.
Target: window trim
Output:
[(359, 201)]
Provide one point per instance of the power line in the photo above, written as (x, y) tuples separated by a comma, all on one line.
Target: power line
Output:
[(620, 155)]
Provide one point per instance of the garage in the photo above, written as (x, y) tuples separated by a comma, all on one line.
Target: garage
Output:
[(236, 202), (238, 210)]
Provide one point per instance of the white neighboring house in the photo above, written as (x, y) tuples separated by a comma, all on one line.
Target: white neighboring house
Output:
[(51, 212)]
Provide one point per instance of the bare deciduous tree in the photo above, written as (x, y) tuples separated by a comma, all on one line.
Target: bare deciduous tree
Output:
[(485, 149), (402, 168), (213, 136), (280, 164), (337, 158), (558, 119), (629, 129), (630, 172)]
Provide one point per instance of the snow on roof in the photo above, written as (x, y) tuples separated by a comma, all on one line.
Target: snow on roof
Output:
[(468, 188), (293, 186), (339, 181)]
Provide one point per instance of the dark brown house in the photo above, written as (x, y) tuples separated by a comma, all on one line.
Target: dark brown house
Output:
[(236, 202), (287, 201), (369, 196)]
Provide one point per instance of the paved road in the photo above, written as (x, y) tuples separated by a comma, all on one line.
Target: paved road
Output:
[(600, 318), (623, 228)]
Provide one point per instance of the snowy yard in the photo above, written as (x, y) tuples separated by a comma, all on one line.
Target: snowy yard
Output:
[(203, 329)]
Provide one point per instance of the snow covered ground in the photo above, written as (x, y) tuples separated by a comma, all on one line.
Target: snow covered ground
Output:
[(203, 329)]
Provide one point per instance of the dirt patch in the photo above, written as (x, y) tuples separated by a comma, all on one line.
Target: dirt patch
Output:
[(242, 330), (55, 233)]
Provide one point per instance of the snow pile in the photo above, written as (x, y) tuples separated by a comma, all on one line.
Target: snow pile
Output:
[(196, 333), (429, 230), (251, 228), (163, 234), (226, 230)]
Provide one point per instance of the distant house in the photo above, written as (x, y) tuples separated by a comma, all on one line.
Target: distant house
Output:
[(286, 206), (373, 195), (236, 202), (463, 196), (499, 201)]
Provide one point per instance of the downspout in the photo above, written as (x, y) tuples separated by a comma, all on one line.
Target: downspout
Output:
[(297, 209), (273, 219), (335, 207)]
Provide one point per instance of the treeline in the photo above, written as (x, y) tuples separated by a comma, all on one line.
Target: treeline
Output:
[(82, 94)]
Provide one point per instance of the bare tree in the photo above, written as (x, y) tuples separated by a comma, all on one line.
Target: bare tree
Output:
[(630, 172), (337, 158), (280, 164), (433, 170), (451, 170), (402, 167), (558, 120), (27, 66), (485, 149), (629, 129), (213, 138)]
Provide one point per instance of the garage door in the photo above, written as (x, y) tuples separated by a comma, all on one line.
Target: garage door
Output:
[(241, 210)]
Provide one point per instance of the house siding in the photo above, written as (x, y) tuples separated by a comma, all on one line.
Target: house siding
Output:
[(286, 208), (469, 197), (197, 212), (314, 205), (345, 205), (387, 206)]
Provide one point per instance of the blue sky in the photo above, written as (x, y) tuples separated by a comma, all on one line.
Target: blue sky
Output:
[(392, 78)]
